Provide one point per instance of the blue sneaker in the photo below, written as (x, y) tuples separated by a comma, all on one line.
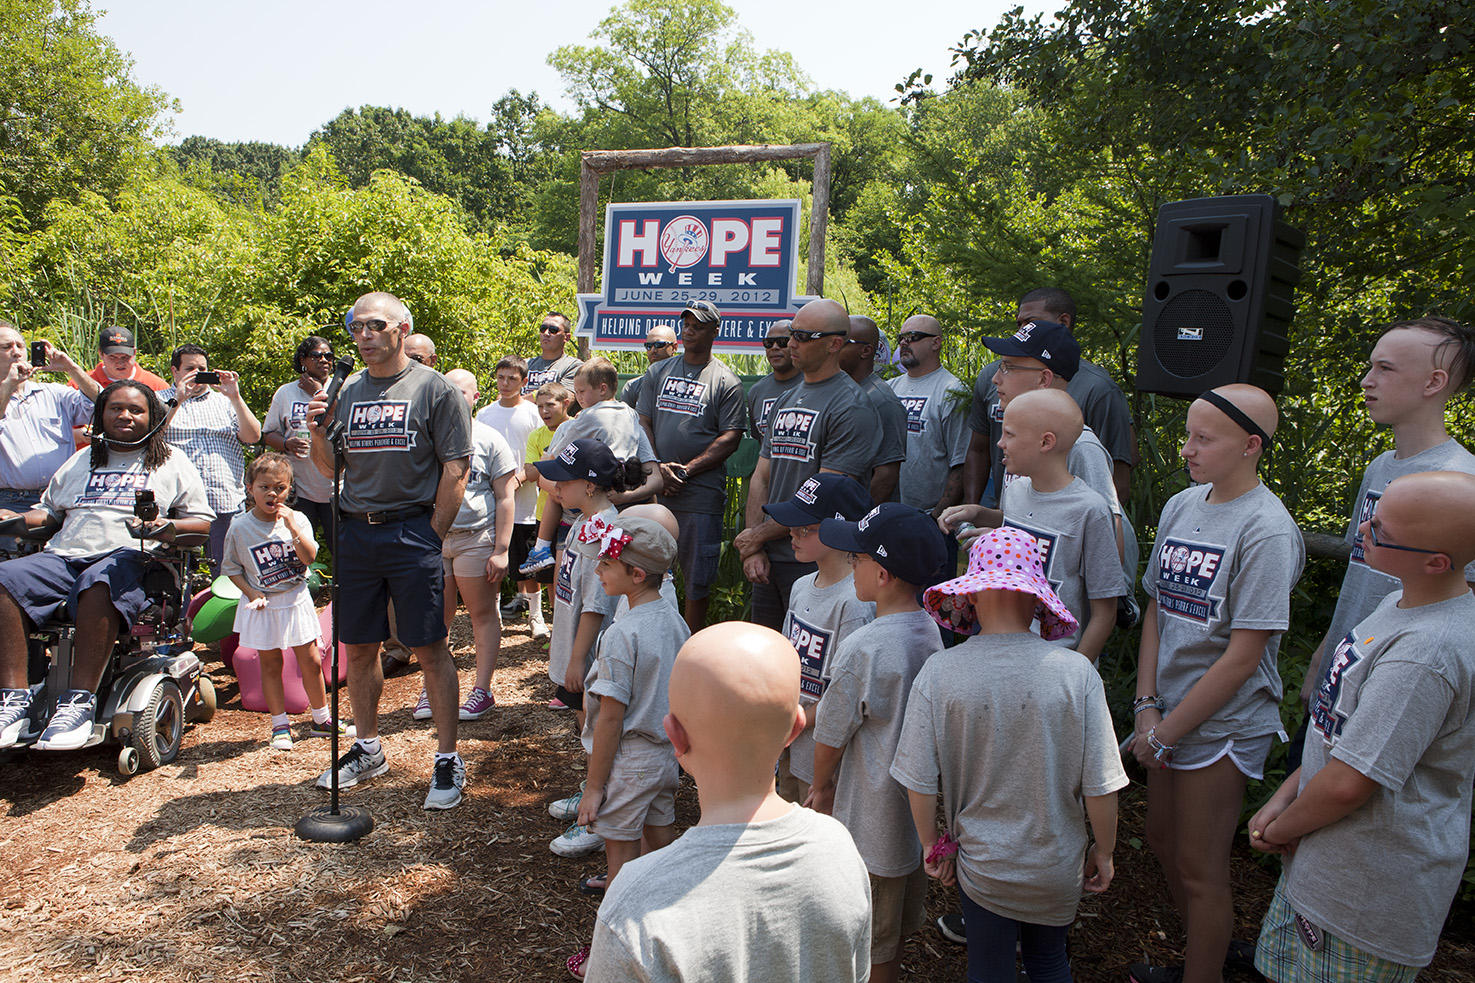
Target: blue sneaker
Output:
[(71, 725), (539, 559), (15, 710)]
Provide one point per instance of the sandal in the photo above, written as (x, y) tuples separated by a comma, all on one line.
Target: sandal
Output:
[(594, 885), (576, 963)]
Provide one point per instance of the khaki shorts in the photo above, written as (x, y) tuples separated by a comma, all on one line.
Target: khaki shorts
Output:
[(641, 790), (465, 552), (897, 910)]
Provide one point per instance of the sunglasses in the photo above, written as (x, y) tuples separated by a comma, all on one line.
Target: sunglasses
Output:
[(550, 328), (376, 325), (912, 337), (325, 356), (799, 334), (417, 358), (1372, 527), (776, 342), (651, 346)]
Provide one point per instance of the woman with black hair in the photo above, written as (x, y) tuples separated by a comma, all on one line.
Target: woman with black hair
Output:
[(285, 430), (94, 566)]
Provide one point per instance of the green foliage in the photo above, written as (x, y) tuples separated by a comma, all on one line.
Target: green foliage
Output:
[(71, 117)]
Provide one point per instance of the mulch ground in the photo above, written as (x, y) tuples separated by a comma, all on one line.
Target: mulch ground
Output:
[(192, 872)]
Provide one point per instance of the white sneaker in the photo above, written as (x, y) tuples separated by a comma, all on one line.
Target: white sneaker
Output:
[(15, 712), (540, 631), (422, 708), (446, 786), (71, 725), (576, 841), (566, 810), (354, 766)]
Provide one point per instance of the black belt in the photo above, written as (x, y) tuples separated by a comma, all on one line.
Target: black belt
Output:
[(393, 515)]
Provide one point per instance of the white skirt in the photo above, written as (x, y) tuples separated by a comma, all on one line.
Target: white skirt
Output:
[(288, 620)]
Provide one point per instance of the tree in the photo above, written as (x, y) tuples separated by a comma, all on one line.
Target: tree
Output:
[(71, 117), (258, 166)]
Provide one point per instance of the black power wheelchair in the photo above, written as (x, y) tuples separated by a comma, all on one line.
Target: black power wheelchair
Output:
[(152, 685)]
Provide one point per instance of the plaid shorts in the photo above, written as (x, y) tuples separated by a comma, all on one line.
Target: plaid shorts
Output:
[(1283, 956)]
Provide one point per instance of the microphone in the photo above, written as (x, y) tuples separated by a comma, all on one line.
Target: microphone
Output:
[(341, 369)]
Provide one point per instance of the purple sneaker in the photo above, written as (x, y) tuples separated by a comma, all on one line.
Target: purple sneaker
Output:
[(478, 704)]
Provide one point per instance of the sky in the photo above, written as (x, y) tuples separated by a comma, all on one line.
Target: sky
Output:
[(274, 71)]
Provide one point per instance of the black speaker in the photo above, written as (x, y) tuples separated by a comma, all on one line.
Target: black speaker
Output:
[(1218, 306)]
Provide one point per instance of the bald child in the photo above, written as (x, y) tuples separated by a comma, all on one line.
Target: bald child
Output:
[(1071, 521), (1382, 797), (760, 888)]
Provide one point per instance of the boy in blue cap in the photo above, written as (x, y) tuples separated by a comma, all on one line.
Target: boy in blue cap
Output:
[(895, 552), (823, 608)]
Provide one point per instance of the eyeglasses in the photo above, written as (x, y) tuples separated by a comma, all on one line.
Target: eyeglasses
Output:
[(776, 342), (325, 356), (799, 334), (550, 328), (1007, 367), (376, 325), (802, 532), (1372, 527), (912, 337), (651, 346)]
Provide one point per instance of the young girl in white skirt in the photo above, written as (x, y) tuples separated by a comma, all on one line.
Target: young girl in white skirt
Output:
[(266, 554)]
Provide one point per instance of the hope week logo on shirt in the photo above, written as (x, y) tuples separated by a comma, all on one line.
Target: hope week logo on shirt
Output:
[(563, 582), (1366, 509), (1325, 714), (813, 646), (790, 438), (681, 395), (1185, 576), (763, 410), (1046, 541), (915, 407), (276, 562), (112, 488), (380, 425)]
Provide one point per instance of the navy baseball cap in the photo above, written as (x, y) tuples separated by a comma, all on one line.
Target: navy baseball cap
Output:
[(825, 496), (1045, 341), (587, 458), (905, 541)]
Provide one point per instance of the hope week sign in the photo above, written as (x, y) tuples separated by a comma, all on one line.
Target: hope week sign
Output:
[(658, 257)]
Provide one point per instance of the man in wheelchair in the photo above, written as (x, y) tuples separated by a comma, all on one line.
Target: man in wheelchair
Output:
[(92, 570)]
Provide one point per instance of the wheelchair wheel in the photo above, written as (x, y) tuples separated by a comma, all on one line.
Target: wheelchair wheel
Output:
[(159, 727), (202, 708)]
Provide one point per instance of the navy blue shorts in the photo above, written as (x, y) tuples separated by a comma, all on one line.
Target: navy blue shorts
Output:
[(43, 583), (399, 560)]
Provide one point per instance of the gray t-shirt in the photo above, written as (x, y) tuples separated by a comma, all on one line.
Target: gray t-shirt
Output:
[(1073, 526), (1362, 586), (761, 397), (576, 589), (541, 371), (399, 431), (491, 458), (862, 711), (1015, 733), (893, 418), (94, 506), (516, 424), (1099, 397), (610, 421), (781, 901), (826, 425), (263, 553), (636, 653), (937, 435), (1215, 568), (630, 395), (1395, 704), (287, 415), (688, 407), (818, 620)]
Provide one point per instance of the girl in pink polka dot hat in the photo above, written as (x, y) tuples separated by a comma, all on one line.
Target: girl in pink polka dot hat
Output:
[(1003, 559)]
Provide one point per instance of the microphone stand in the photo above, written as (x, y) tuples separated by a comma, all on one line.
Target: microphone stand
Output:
[(334, 825)]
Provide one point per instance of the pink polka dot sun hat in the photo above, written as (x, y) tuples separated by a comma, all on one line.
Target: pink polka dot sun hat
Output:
[(1003, 559)]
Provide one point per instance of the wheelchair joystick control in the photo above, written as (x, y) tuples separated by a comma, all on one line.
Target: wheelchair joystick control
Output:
[(145, 509)]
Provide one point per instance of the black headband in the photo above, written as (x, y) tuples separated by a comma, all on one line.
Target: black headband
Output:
[(1238, 416)]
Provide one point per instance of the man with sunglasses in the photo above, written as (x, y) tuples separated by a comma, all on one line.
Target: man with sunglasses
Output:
[(693, 412), (858, 360), (407, 448), (420, 348), (825, 423), (660, 344), (285, 430), (937, 423), (783, 377), (552, 365)]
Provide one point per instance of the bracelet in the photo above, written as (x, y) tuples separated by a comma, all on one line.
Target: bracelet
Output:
[(1161, 752), (1147, 703), (945, 847)]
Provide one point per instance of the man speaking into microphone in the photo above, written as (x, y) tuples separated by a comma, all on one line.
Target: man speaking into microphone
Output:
[(406, 436)]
